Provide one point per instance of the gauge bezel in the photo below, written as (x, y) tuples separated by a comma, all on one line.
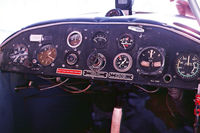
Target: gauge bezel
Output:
[(42, 48), (132, 44), (69, 35), (159, 70), (193, 77), (129, 65)]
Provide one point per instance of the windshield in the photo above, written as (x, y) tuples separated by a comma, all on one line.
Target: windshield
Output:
[(16, 14)]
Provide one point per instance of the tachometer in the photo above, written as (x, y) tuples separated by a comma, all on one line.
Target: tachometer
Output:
[(20, 53), (122, 62), (187, 66), (47, 55), (126, 41), (150, 61), (74, 39)]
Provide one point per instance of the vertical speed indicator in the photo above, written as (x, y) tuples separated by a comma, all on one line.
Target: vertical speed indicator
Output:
[(187, 66)]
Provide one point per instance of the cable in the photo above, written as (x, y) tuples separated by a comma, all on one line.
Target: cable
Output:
[(47, 78), (53, 86), (76, 89), (145, 90)]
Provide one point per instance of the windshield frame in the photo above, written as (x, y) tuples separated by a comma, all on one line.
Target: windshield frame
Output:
[(195, 9)]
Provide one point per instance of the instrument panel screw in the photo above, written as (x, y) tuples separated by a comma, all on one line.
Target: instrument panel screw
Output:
[(52, 65)]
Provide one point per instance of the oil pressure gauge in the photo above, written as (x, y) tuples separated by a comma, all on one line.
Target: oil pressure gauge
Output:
[(151, 60), (122, 62), (187, 66)]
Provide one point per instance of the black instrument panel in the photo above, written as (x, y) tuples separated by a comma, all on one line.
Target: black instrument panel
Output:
[(121, 52)]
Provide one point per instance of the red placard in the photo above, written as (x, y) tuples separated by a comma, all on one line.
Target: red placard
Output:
[(69, 71)]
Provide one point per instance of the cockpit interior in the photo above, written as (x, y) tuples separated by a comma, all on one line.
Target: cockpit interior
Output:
[(117, 73)]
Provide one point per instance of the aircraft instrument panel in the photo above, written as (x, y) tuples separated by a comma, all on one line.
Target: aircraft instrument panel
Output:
[(131, 52)]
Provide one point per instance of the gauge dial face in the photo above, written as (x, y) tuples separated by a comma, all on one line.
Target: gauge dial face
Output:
[(187, 66), (71, 58), (151, 61), (96, 61), (100, 39), (122, 62), (126, 41), (20, 53), (74, 39), (47, 55)]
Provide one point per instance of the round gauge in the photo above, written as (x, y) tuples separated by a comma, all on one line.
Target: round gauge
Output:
[(96, 61), (114, 12), (126, 41), (122, 62), (47, 55), (100, 39), (150, 61), (20, 53), (74, 39), (71, 58), (187, 66)]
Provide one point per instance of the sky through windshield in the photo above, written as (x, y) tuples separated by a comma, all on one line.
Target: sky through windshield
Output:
[(16, 14)]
